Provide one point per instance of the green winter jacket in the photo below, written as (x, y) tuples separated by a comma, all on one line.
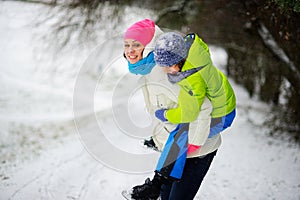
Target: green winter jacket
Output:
[(207, 81)]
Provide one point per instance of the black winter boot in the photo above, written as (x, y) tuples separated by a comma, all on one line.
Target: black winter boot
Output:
[(150, 190)]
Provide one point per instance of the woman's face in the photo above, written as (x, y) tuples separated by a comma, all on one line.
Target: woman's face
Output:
[(133, 50)]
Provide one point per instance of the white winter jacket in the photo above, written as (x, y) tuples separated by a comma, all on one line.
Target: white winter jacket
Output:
[(160, 93)]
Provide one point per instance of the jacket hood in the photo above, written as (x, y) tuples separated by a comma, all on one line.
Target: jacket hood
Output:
[(198, 55), (151, 45)]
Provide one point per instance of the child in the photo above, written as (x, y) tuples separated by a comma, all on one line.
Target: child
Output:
[(187, 62)]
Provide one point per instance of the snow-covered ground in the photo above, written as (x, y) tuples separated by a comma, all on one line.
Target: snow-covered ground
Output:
[(46, 154)]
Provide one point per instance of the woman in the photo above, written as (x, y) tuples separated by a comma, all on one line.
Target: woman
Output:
[(159, 93), (139, 42)]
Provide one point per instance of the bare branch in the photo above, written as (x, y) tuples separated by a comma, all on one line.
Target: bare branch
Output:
[(177, 7), (271, 44), (48, 3)]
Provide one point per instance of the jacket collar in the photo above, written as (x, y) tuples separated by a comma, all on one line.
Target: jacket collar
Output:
[(179, 76)]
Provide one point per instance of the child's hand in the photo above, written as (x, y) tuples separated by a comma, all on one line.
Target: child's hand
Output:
[(160, 114), (192, 148)]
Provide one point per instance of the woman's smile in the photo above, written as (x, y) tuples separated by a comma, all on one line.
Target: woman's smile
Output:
[(133, 50)]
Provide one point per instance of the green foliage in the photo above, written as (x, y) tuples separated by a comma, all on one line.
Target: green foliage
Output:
[(289, 4)]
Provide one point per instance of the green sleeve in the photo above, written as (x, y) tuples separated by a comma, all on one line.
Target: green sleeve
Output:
[(190, 99)]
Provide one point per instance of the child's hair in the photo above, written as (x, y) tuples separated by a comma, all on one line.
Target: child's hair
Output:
[(180, 64)]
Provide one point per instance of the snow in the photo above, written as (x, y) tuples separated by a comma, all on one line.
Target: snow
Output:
[(68, 141)]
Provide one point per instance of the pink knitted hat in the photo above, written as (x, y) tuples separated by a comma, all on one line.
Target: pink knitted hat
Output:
[(142, 31)]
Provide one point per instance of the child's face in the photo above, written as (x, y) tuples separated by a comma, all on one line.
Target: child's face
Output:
[(172, 69), (133, 50)]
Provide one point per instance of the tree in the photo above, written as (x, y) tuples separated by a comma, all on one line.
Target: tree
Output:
[(261, 37)]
